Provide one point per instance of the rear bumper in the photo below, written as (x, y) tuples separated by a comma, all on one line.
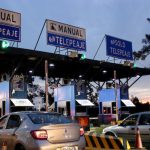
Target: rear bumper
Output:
[(45, 145)]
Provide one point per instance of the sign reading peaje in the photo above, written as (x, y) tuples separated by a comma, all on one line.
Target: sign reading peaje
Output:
[(67, 36), (10, 25), (119, 48)]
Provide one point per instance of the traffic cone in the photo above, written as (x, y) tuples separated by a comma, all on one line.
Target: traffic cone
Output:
[(4, 145), (138, 140)]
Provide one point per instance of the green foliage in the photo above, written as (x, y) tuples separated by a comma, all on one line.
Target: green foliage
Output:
[(145, 50), (140, 107)]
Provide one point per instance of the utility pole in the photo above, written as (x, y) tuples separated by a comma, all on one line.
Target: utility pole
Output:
[(46, 83), (116, 98)]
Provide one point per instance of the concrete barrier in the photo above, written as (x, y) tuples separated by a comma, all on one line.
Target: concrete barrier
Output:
[(95, 142)]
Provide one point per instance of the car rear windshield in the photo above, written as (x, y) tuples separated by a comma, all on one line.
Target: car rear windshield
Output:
[(49, 118)]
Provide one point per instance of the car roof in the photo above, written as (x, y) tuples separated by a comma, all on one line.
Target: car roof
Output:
[(34, 112), (144, 112)]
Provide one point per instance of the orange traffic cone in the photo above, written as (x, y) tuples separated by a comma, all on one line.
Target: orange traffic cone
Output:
[(138, 140), (4, 145)]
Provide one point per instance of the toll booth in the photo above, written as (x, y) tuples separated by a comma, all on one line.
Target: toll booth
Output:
[(67, 104), (13, 95), (107, 105), (64, 99), (18, 94)]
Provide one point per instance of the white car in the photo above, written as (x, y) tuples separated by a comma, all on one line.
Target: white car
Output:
[(40, 131), (128, 128)]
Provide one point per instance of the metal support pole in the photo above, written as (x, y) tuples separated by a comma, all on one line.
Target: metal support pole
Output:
[(46, 83), (116, 98), (135, 81), (40, 35)]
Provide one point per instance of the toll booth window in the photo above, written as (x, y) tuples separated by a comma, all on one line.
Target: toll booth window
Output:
[(106, 110), (113, 107), (80, 109), (100, 106), (61, 110), (93, 111)]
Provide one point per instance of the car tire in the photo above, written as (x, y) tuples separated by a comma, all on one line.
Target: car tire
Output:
[(19, 147)]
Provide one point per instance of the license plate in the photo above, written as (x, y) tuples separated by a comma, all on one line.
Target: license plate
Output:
[(68, 148)]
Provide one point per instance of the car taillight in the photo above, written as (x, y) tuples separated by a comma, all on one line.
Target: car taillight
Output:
[(39, 134), (81, 131)]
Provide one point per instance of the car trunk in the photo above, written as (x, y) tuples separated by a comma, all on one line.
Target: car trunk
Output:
[(62, 132)]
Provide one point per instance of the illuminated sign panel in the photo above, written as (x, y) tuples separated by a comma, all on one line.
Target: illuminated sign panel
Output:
[(118, 48), (64, 35), (21, 102), (10, 25), (10, 33)]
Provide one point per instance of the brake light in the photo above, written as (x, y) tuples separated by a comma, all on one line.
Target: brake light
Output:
[(39, 134), (81, 131)]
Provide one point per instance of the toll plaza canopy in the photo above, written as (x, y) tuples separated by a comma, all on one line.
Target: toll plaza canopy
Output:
[(20, 61)]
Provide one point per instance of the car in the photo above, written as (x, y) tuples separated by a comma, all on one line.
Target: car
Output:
[(129, 126), (35, 130)]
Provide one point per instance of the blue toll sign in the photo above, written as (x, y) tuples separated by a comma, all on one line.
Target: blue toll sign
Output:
[(10, 33), (118, 48), (67, 42)]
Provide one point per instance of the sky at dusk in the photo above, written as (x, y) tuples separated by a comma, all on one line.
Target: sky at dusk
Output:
[(125, 19)]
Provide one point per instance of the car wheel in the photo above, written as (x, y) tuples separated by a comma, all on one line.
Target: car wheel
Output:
[(19, 147)]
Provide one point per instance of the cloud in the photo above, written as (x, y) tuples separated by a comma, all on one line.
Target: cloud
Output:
[(140, 92)]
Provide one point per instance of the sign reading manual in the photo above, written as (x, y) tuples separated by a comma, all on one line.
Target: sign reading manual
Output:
[(10, 25), (64, 35), (119, 48)]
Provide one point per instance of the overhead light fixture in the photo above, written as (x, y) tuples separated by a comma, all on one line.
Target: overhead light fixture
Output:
[(30, 71), (104, 71), (80, 76), (32, 58), (51, 65)]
